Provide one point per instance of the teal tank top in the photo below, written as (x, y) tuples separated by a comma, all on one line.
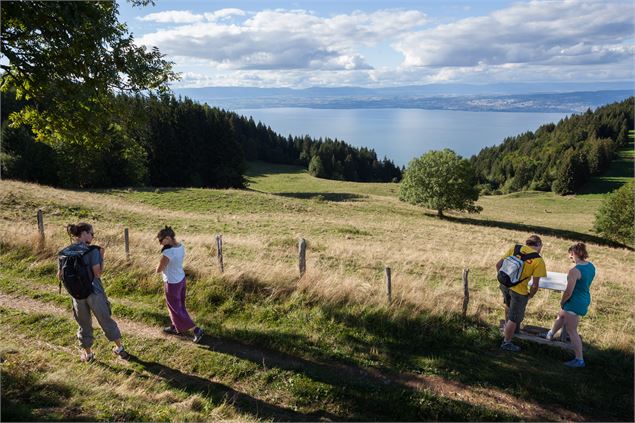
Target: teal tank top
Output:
[(581, 297)]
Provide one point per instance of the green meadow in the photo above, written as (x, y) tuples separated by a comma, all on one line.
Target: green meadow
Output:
[(325, 346)]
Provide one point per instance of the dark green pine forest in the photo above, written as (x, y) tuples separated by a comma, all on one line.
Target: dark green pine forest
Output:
[(165, 141), (556, 157)]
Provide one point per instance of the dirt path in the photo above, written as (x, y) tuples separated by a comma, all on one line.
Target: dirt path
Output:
[(333, 372)]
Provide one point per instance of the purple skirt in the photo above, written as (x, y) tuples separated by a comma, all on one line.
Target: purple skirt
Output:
[(175, 298)]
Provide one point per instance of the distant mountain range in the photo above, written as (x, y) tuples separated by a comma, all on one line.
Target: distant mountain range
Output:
[(512, 97)]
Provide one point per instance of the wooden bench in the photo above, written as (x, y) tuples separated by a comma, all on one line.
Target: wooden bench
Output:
[(557, 282), (532, 334)]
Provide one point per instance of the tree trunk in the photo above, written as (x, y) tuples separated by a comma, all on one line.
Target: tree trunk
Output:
[(440, 213)]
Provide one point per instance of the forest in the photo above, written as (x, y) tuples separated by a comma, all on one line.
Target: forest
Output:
[(556, 157), (164, 141)]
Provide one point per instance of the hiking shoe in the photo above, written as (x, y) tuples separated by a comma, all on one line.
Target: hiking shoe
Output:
[(170, 330), (509, 346), (87, 357), (198, 334), (121, 352), (547, 335), (575, 363)]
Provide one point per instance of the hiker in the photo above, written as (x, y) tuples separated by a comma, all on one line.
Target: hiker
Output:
[(575, 300), (171, 268), (80, 267), (516, 293)]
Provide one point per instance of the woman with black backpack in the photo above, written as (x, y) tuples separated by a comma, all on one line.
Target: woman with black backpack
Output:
[(80, 267)]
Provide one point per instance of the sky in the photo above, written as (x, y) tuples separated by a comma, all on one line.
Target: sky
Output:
[(373, 43)]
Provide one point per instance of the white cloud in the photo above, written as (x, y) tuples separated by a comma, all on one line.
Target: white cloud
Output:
[(283, 39), (172, 16), (224, 14), (568, 40), (539, 32)]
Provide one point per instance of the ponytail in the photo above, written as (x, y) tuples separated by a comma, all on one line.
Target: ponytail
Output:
[(167, 231), (76, 230)]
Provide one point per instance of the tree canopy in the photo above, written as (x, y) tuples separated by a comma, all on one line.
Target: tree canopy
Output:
[(559, 157), (67, 60), (440, 180), (168, 141)]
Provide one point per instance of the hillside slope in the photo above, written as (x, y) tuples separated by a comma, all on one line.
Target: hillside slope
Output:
[(322, 347)]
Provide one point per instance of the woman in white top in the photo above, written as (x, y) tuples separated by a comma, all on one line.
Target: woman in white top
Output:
[(171, 268)]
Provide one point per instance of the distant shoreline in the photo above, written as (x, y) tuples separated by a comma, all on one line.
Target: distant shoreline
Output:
[(572, 102)]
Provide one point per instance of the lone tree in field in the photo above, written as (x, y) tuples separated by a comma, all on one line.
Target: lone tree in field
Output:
[(68, 59), (614, 219), (440, 180)]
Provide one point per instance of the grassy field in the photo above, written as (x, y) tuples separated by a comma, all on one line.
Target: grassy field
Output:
[(323, 347)]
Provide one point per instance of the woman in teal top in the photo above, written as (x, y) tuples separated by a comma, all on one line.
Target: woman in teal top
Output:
[(575, 300)]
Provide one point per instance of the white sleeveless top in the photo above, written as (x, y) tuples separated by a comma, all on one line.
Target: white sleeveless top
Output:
[(173, 272)]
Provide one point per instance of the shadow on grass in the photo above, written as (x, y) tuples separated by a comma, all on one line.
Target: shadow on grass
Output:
[(322, 196), (220, 393), (416, 343), (604, 390), (367, 393), (601, 185), (257, 169), (540, 230), (439, 346), (619, 171), (25, 398)]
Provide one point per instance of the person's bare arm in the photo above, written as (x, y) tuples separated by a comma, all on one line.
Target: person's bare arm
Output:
[(534, 286), (97, 270), (162, 264)]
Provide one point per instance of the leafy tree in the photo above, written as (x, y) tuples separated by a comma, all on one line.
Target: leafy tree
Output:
[(440, 180), (614, 218), (68, 59), (316, 168)]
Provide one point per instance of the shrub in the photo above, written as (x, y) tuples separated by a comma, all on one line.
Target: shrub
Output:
[(614, 219)]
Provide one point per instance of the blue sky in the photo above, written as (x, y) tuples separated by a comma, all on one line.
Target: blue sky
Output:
[(376, 43)]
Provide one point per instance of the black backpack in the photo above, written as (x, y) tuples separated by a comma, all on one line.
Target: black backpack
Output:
[(77, 276)]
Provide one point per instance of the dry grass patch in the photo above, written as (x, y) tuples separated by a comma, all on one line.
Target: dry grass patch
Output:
[(427, 255)]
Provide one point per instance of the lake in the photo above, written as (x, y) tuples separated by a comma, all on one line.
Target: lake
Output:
[(402, 134)]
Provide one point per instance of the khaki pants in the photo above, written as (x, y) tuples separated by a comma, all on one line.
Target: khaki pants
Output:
[(98, 304)]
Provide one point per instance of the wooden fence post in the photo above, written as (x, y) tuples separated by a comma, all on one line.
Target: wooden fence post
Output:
[(302, 256), (219, 252), (466, 291), (126, 243), (388, 285), (40, 226)]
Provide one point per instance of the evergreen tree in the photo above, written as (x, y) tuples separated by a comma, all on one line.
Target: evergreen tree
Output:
[(495, 166), (572, 173)]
